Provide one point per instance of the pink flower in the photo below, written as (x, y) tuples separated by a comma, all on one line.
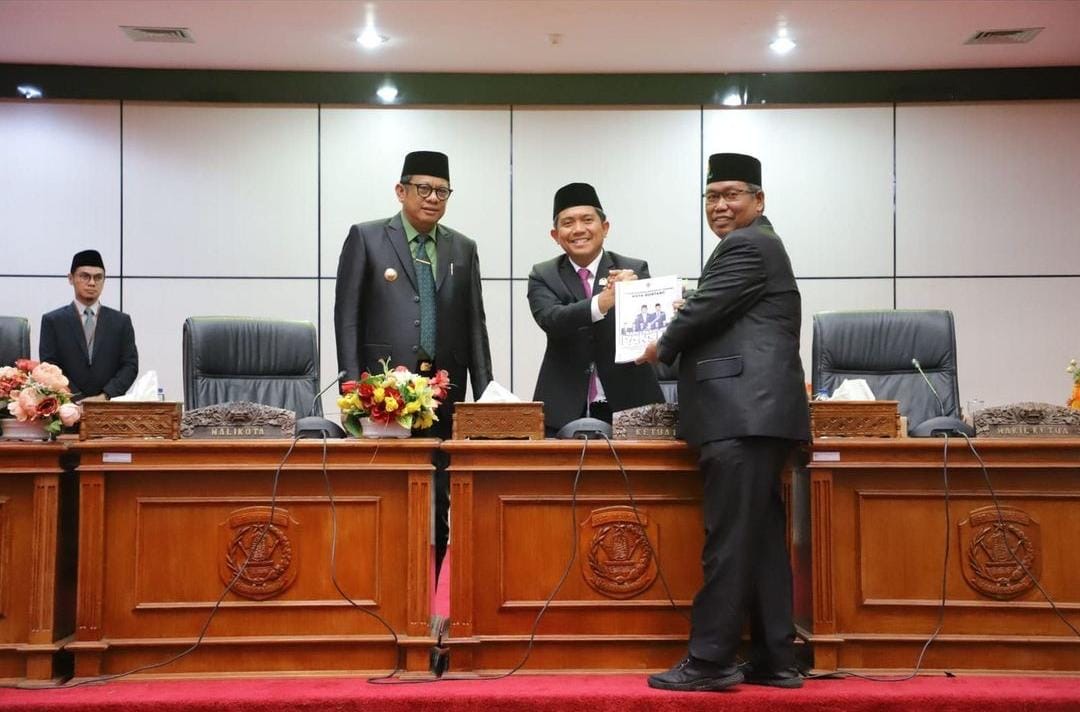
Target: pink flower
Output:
[(25, 364), (70, 414), (24, 406), (50, 377)]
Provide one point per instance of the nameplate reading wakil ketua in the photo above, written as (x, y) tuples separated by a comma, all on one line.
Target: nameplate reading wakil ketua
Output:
[(238, 421), (1028, 420)]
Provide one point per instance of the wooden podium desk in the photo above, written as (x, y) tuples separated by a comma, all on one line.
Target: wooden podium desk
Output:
[(163, 526), (514, 524), (37, 600), (869, 545)]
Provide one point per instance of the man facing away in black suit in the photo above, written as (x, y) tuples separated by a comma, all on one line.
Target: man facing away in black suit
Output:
[(409, 290), (92, 344), (742, 403), (572, 298)]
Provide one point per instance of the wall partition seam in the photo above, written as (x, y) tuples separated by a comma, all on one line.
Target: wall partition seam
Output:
[(318, 235), (122, 270), (510, 271), (894, 251)]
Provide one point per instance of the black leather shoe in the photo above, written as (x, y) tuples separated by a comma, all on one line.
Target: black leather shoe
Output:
[(788, 678), (695, 675)]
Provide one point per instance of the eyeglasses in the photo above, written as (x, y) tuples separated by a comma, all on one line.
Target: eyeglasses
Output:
[(729, 196), (425, 190), (88, 278)]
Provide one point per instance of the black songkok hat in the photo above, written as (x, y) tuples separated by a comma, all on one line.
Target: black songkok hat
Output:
[(734, 166), (86, 258), (426, 163), (572, 195)]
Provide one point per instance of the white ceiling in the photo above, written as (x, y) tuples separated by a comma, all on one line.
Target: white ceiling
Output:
[(513, 35)]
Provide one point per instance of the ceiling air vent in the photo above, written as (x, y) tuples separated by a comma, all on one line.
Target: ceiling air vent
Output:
[(1018, 36), (158, 34)]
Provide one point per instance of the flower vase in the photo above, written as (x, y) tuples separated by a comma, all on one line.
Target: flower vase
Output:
[(11, 429), (373, 429)]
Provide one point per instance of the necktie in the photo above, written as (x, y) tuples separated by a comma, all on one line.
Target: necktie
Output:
[(586, 284), (425, 282), (88, 331)]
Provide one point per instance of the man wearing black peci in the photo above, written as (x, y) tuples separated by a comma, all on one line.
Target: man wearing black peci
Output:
[(92, 344), (572, 298), (409, 290), (743, 403)]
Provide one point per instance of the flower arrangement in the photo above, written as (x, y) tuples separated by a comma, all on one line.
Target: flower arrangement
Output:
[(396, 395), (1074, 399), (31, 390)]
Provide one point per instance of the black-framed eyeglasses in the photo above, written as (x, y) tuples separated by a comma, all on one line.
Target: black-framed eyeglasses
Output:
[(89, 278), (729, 196), (425, 190)]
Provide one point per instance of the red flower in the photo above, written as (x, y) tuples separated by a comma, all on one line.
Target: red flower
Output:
[(440, 383), (348, 386), (25, 364), (47, 406), (399, 369)]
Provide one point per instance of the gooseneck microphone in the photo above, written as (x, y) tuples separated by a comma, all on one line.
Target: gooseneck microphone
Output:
[(942, 425), (314, 426), (918, 367)]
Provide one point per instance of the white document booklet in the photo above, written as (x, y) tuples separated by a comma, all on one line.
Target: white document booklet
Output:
[(643, 308)]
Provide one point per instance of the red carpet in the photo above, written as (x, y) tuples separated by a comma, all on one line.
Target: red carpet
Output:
[(543, 693)]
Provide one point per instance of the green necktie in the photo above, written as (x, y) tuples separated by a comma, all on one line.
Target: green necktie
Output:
[(425, 282)]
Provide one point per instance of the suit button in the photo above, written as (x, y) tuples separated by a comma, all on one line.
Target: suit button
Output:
[(416, 299), (416, 323), (415, 349)]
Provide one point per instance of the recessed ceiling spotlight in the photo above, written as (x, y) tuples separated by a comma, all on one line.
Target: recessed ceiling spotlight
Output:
[(29, 92), (370, 38), (782, 44), (732, 99), (387, 93)]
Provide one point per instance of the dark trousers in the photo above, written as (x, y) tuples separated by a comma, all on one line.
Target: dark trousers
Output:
[(442, 429), (745, 560)]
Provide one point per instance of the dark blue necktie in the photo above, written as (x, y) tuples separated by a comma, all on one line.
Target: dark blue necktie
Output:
[(425, 282)]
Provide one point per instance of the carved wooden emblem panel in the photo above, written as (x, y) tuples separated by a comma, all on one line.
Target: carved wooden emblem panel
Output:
[(267, 548), (992, 547), (616, 560)]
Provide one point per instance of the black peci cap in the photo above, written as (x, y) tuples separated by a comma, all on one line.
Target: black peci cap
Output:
[(573, 194), (426, 163), (734, 166), (86, 258)]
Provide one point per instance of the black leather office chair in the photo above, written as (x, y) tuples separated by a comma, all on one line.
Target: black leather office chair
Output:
[(14, 339), (879, 346), (229, 359)]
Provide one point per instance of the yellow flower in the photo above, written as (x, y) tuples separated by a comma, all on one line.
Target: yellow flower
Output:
[(378, 394), (412, 407), (390, 404)]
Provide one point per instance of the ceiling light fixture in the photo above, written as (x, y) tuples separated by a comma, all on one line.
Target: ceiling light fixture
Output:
[(29, 92), (387, 93), (782, 44), (732, 99), (370, 38)]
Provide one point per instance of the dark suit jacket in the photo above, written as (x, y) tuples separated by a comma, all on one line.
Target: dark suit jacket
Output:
[(738, 333), (574, 341), (376, 318), (116, 360)]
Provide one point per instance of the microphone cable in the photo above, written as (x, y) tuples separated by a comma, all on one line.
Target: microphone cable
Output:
[(256, 543), (838, 674), (1011, 550)]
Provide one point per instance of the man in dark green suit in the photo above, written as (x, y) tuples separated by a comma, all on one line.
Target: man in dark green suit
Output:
[(742, 402), (408, 290), (571, 297)]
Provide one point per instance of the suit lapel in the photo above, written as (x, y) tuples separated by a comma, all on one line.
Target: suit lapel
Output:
[(442, 250), (605, 266), (395, 234), (74, 317), (570, 278)]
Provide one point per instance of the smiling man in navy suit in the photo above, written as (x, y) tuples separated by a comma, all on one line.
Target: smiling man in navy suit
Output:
[(92, 344)]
